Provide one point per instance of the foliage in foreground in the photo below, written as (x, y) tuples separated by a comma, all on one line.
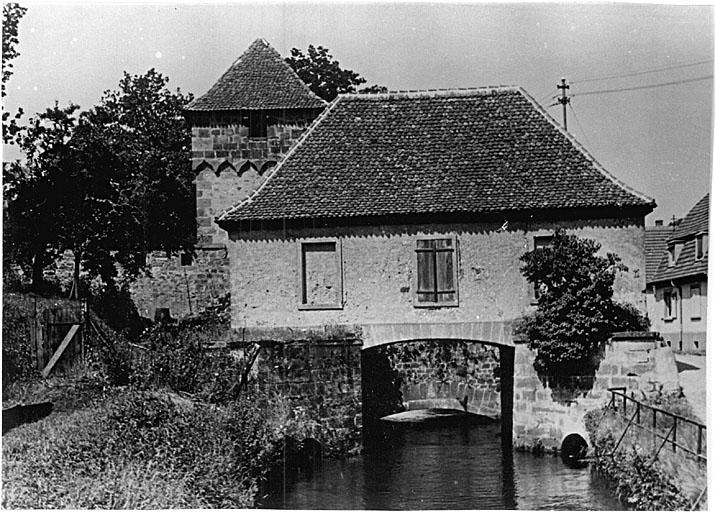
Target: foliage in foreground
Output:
[(671, 481), (139, 450), (576, 312)]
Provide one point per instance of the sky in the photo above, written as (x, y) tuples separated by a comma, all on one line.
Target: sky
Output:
[(656, 140)]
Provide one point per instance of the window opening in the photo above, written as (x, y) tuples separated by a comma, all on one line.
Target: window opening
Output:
[(320, 275), (436, 272)]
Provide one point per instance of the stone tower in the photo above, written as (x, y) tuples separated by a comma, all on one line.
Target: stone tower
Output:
[(241, 128)]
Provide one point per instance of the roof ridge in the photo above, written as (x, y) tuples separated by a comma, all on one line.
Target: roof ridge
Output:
[(419, 93), (597, 165), (277, 168)]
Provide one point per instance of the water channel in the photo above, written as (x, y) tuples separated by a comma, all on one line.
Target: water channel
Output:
[(444, 465)]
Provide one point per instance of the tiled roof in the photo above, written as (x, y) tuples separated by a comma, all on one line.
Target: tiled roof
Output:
[(686, 265), (656, 238), (259, 79), (458, 151), (696, 221)]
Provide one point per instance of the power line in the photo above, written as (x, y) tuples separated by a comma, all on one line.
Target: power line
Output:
[(646, 72), (638, 87)]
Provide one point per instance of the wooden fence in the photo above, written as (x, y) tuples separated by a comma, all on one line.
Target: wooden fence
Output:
[(58, 336)]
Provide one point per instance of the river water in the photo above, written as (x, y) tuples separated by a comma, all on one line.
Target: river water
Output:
[(444, 466)]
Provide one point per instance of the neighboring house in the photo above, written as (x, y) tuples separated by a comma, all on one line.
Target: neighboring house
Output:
[(414, 207), (246, 123), (677, 286)]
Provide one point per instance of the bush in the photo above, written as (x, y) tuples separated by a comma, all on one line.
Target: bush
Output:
[(670, 481), (139, 450), (576, 312), (18, 358), (177, 358)]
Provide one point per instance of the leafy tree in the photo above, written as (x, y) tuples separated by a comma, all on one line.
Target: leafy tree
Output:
[(12, 13), (72, 197), (324, 75), (145, 130), (576, 312)]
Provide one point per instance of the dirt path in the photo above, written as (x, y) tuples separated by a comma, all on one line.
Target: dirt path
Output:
[(691, 372)]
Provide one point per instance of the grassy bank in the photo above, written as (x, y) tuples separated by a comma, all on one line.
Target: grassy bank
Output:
[(139, 449), (644, 481), (149, 423)]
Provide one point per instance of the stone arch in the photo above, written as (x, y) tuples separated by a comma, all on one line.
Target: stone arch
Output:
[(574, 447), (246, 167), (204, 165), (267, 166), (401, 385), (225, 166)]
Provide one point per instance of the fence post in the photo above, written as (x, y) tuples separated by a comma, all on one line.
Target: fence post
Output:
[(624, 402), (638, 413)]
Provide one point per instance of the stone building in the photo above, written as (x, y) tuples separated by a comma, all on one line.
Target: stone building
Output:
[(417, 206), (390, 237), (677, 282), (246, 123)]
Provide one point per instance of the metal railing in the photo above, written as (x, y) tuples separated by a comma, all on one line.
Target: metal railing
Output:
[(646, 417)]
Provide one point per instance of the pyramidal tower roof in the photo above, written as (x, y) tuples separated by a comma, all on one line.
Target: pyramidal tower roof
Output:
[(259, 79)]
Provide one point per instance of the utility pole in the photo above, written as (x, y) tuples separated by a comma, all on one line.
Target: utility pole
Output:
[(564, 100)]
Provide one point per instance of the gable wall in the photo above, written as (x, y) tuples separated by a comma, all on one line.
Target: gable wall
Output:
[(378, 268)]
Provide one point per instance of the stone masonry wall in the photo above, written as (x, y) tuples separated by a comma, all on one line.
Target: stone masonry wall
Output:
[(184, 289), (441, 373), (378, 269), (230, 165), (319, 378), (542, 418)]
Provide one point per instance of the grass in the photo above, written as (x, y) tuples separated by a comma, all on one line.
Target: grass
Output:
[(646, 477), (138, 450)]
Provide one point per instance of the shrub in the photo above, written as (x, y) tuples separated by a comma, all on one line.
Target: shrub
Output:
[(576, 312), (18, 359), (670, 481)]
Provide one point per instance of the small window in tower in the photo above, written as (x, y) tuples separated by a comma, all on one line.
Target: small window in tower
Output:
[(186, 259), (257, 124)]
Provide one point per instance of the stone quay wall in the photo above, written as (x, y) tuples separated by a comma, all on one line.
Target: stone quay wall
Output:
[(543, 418), (316, 375)]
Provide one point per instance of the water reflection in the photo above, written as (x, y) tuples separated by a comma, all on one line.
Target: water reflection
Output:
[(438, 466)]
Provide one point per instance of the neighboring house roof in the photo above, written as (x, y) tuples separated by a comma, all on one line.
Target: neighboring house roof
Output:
[(656, 238), (686, 265), (459, 151), (259, 79), (696, 221)]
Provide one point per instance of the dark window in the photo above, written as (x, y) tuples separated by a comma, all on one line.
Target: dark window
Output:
[(541, 242), (699, 247), (670, 300), (320, 275), (436, 272), (257, 123), (186, 259)]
